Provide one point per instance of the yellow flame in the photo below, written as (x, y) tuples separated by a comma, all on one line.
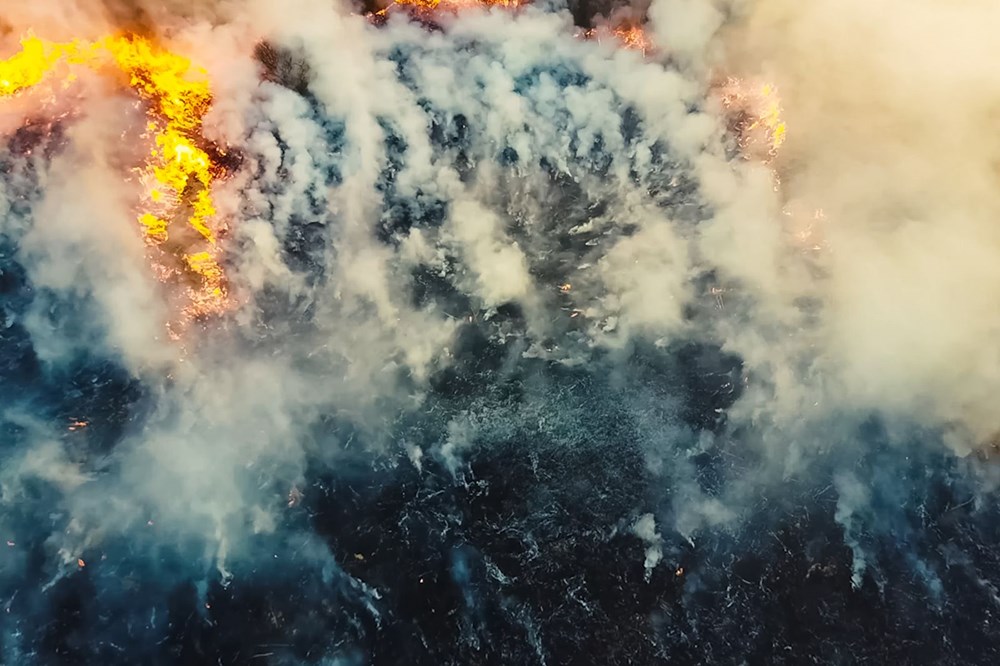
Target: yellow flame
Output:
[(178, 96), (27, 67), (771, 117), (756, 109)]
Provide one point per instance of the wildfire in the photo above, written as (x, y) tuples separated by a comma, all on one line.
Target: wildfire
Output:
[(77, 424), (755, 115), (428, 6), (458, 4), (179, 172), (633, 37), (755, 118), (628, 35)]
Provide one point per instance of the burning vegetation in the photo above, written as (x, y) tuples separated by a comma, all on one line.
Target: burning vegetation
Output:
[(180, 168), (754, 112), (627, 35), (176, 213), (422, 9), (458, 4)]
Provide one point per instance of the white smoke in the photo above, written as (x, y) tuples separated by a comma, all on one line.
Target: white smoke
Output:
[(893, 315), (645, 529), (887, 135)]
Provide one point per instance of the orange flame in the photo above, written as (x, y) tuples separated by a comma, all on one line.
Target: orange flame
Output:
[(629, 36), (179, 170), (429, 6), (633, 37)]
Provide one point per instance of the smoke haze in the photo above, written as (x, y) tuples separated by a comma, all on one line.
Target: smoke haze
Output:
[(535, 353)]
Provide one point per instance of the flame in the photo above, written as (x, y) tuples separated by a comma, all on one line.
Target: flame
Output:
[(77, 424), (429, 6), (633, 37), (206, 300), (459, 4), (755, 117), (629, 36), (179, 172), (29, 66), (755, 113)]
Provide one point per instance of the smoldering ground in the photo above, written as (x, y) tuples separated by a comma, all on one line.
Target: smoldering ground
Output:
[(527, 364)]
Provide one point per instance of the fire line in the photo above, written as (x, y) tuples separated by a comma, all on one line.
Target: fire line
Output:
[(179, 171)]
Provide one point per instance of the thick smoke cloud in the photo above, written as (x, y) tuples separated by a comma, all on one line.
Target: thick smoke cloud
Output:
[(515, 316), (889, 143)]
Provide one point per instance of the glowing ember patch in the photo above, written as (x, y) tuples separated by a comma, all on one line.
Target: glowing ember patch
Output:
[(76, 424), (178, 96), (634, 37), (204, 301)]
